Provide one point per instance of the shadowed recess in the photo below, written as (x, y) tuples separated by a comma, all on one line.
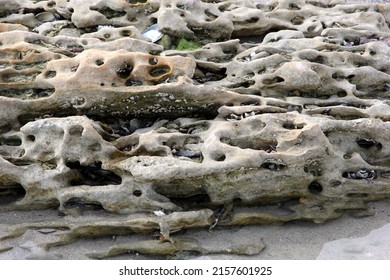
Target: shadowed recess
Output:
[(93, 175)]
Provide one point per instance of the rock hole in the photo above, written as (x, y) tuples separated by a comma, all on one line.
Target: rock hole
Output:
[(51, 4), (30, 138), (293, 6), (184, 195), (361, 174), (82, 204), (11, 193), (222, 8), (153, 61), (12, 141), (345, 156), (133, 82), (95, 147), (246, 84), (291, 125), (274, 80), (5, 128), (251, 143), (315, 187), (137, 193), (197, 128), (338, 76), (99, 62), (194, 155), (350, 78), (298, 20), (272, 164), (124, 71), (335, 184), (160, 71), (341, 93), (320, 59), (250, 103), (311, 28), (209, 74), (75, 49), (219, 157), (368, 143), (76, 130), (126, 33), (50, 74), (211, 16), (92, 175), (108, 12), (153, 20), (385, 174), (74, 68), (360, 63), (49, 165), (252, 20)]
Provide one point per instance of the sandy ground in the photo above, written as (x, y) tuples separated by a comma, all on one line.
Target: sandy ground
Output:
[(294, 240)]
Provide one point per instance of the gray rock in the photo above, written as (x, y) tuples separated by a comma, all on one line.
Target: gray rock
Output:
[(374, 246)]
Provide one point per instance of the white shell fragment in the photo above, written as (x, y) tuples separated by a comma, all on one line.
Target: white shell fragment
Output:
[(153, 33), (159, 213)]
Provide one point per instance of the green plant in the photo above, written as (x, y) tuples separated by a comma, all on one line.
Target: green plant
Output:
[(185, 45)]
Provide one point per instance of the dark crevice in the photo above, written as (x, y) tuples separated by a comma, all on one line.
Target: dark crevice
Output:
[(82, 204), (160, 71), (315, 187), (194, 155), (124, 71), (246, 84), (93, 175), (291, 125), (252, 143), (273, 81), (11, 193), (108, 12), (274, 165), (12, 141), (366, 143), (361, 174), (188, 201), (203, 75)]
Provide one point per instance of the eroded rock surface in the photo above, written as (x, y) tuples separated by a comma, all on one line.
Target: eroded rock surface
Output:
[(282, 114)]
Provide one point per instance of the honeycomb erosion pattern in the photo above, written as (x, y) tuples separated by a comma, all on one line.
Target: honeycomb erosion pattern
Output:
[(282, 114)]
